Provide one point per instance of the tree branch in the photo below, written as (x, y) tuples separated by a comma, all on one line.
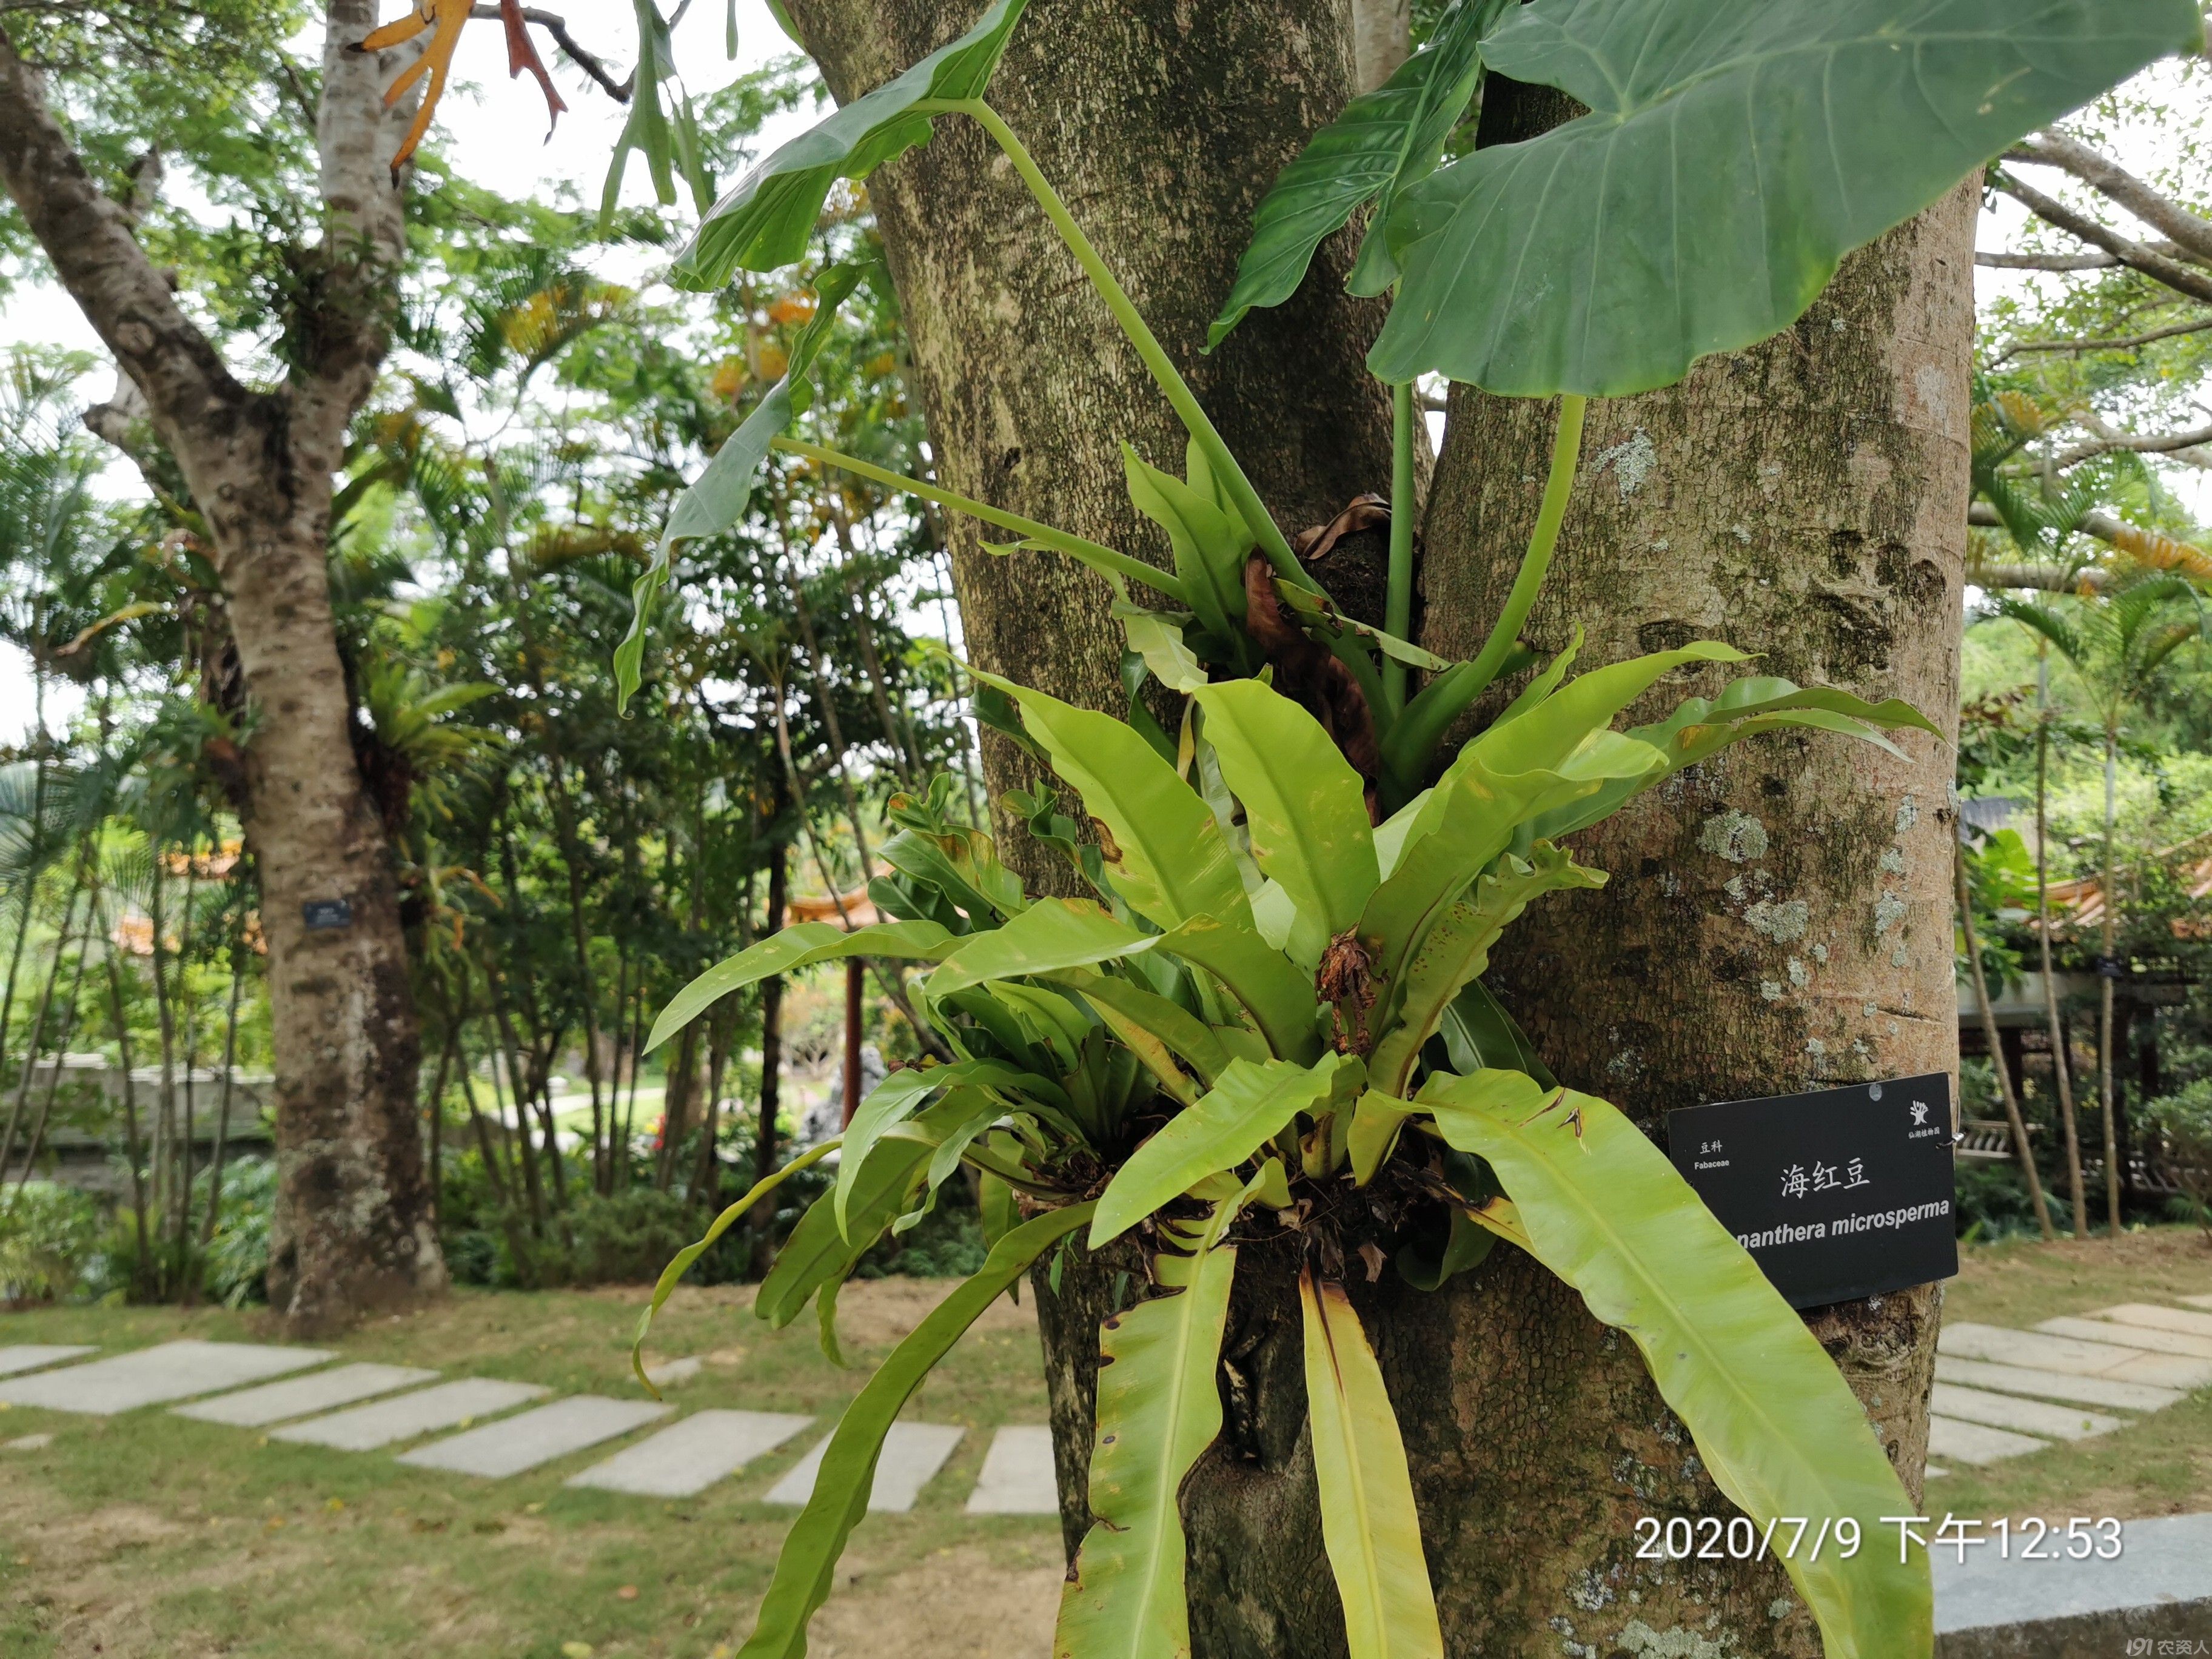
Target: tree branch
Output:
[(2137, 256), (2192, 234), (557, 26), (2123, 343), (2108, 442), (86, 238), (2002, 261)]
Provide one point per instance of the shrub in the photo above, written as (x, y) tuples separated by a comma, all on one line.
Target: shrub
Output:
[(50, 1237), (2184, 1123)]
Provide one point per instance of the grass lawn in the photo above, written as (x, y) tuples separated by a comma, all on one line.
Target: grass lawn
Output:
[(149, 1534), (2161, 1462)]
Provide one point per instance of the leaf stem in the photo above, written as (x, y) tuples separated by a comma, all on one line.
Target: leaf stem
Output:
[(1154, 357), (1398, 596), (1536, 563), (1406, 750), (1094, 554)]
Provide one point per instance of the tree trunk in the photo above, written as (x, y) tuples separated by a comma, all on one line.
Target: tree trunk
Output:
[(2107, 965), (763, 1220), (2062, 1064), (1823, 524), (1161, 124), (351, 1227), (2010, 1100)]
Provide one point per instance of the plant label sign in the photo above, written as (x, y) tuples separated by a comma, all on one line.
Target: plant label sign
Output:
[(321, 914), (1836, 1193)]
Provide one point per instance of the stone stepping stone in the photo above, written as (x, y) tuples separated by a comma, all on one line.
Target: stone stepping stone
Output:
[(2041, 1351), (1974, 1443), (523, 1442), (2055, 1385), (30, 1356), (156, 1375), (675, 1371), (300, 1396), (2004, 1411), (2047, 1605), (385, 1422), (2196, 1301), (2158, 1319), (2145, 1337), (1018, 1475), (686, 1458), (912, 1453), (1937, 1472)]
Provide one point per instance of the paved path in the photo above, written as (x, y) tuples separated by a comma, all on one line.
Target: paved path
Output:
[(2004, 1394), (365, 1407), (516, 1444), (686, 1458), (2163, 1563), (912, 1453), (410, 1416), (154, 1376), (300, 1396)]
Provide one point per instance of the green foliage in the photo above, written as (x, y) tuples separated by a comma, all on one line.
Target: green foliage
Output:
[(1158, 1410), (1384, 141), (50, 1236), (805, 1572), (1591, 259), (766, 221), (1601, 1206), (1273, 987), (1285, 1122)]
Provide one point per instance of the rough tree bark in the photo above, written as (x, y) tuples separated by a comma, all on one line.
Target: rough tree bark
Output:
[(1779, 918), (352, 1225), (1029, 390)]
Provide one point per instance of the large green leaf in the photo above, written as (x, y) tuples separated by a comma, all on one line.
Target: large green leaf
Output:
[(1480, 1035), (1605, 1210), (900, 1095), (1368, 1522), (1469, 819), (808, 1565), (1159, 1410), (798, 946), (1699, 728), (1053, 935), (765, 222), (1305, 808), (1280, 998), (1457, 949), (1383, 141), (673, 1272), (1209, 542), (1185, 1036), (1169, 857), (717, 498), (1250, 1104), (1735, 151), (818, 1252)]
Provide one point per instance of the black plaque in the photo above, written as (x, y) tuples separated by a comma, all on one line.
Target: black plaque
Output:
[(1837, 1194), (320, 913)]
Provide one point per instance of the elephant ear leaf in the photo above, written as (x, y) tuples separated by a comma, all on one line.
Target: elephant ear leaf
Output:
[(1604, 1209), (1384, 140), (1592, 259), (717, 498), (765, 222)]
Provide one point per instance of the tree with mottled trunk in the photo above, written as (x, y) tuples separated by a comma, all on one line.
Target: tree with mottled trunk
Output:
[(1778, 918), (352, 1227)]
